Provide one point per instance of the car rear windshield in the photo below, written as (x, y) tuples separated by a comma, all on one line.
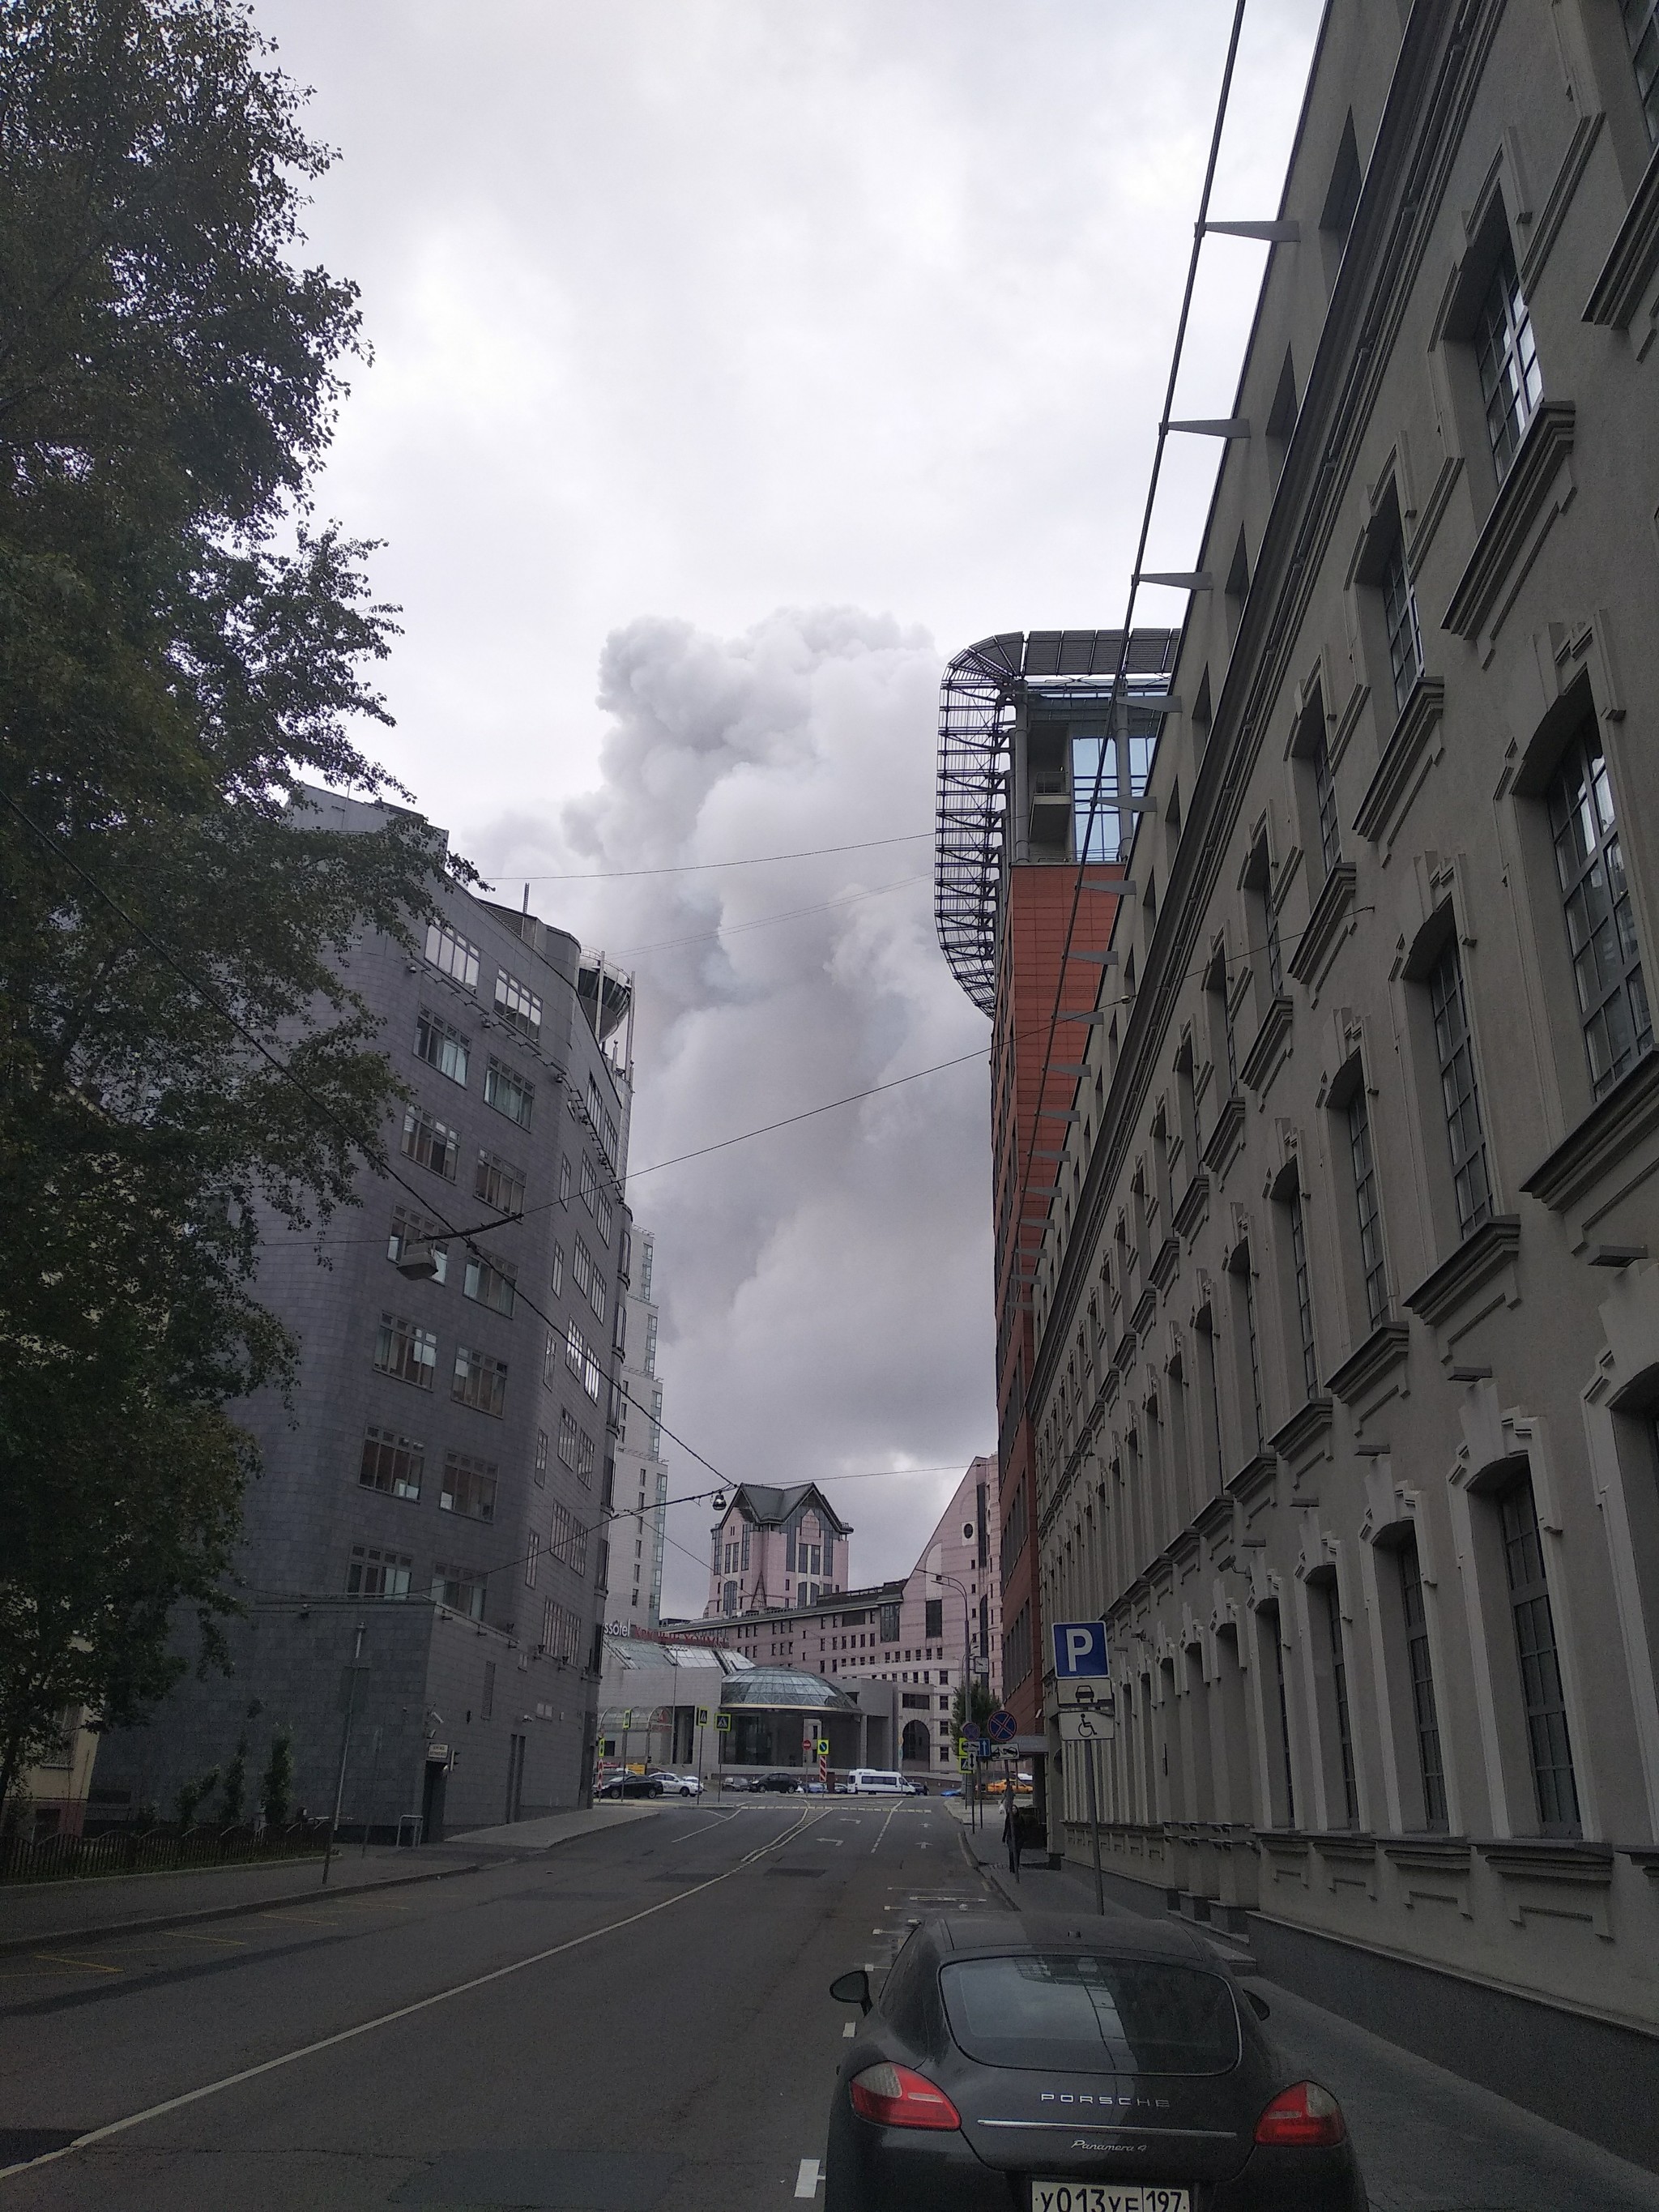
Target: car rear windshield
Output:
[(1073, 2013)]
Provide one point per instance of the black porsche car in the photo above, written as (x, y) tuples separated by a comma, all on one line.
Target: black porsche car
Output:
[(1038, 2062)]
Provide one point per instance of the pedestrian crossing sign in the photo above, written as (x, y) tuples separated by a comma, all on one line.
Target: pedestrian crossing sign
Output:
[(703, 1716), (723, 1721)]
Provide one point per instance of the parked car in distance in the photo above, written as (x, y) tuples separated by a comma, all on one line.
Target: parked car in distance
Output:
[(734, 1782), (972, 2080), (875, 1782), (784, 1784), (677, 1785), (917, 1787), (631, 1785)]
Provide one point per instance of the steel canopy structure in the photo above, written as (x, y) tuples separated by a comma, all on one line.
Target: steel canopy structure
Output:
[(982, 691)]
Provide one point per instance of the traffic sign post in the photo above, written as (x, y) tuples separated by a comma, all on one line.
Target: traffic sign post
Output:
[(1080, 1663), (1002, 1727)]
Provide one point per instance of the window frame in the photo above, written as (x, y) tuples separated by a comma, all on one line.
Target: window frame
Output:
[(1628, 987)]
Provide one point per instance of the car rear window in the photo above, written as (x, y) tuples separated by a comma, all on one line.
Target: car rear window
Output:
[(1070, 2013)]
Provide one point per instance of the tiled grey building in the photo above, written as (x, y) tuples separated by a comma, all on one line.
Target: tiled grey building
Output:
[(444, 1475), (1348, 1303)]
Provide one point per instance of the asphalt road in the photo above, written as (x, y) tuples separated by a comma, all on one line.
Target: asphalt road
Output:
[(635, 2022)]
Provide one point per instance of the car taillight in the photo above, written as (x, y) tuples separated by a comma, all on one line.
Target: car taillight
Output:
[(1305, 2114), (896, 2097)]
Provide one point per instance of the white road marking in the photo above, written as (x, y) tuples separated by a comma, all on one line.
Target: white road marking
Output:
[(86, 1965), (711, 1820), (386, 2019), (885, 1825), (849, 2030), (807, 2181)]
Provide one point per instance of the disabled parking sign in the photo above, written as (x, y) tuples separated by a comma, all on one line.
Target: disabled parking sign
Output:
[(1079, 1649)]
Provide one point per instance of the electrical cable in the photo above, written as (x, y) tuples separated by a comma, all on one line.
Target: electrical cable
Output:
[(701, 867), (765, 921)]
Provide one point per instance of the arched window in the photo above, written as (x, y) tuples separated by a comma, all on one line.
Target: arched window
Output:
[(917, 1743)]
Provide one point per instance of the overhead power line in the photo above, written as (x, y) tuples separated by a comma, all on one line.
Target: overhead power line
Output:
[(701, 867)]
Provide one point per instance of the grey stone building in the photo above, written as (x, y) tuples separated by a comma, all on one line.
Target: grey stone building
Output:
[(443, 1478), (1347, 1307), (641, 1491)]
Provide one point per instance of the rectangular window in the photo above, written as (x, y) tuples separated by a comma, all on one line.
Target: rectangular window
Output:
[(1340, 1699), (515, 1002), (1304, 1319), (604, 1122), (1512, 382), (532, 1558), (479, 1381), (1460, 1097), (1425, 1719), (508, 1092), (588, 1277), (1363, 1165), (1641, 29), (581, 1359), (430, 1143), (584, 1450), (442, 1046), (408, 1353), (1400, 616), (448, 951), (460, 1588), (392, 1463), (490, 1282), (373, 1573), (934, 1616), (558, 1269), (1607, 960), (1324, 783), (561, 1631), (567, 1439), (1553, 1785), (650, 1344), (568, 1541), (409, 1228), (541, 1459), (1253, 1346), (564, 1180), (468, 1487), (499, 1183), (602, 1215)]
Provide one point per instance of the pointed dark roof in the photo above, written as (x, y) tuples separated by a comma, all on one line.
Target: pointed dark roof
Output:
[(768, 1507)]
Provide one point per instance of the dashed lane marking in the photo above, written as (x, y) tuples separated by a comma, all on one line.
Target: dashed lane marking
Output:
[(87, 1965), (849, 2030), (807, 2181)]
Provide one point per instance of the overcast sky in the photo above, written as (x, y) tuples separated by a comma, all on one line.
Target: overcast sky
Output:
[(735, 363)]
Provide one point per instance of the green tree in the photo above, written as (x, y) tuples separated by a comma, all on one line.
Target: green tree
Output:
[(181, 651), (235, 1789), (276, 1790), (971, 1706), (191, 1794)]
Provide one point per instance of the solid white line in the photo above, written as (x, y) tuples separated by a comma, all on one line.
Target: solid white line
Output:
[(885, 1825), (403, 2012), (807, 2181), (713, 1821), (850, 2030)]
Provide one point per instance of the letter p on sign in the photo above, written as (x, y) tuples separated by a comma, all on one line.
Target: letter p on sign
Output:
[(1079, 1649)]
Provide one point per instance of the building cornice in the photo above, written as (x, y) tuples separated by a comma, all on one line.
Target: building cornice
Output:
[(1629, 1113), (1634, 262), (1441, 58)]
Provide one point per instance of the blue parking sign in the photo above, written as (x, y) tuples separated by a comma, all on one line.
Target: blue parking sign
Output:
[(1079, 1649)]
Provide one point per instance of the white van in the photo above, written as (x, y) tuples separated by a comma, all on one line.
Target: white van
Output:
[(872, 1782)]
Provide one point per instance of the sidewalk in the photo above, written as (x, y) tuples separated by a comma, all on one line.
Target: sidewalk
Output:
[(125, 1904)]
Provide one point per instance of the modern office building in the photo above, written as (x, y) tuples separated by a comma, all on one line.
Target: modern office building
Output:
[(425, 1545), (1346, 1308), (639, 1507), (1039, 775), (921, 1634)]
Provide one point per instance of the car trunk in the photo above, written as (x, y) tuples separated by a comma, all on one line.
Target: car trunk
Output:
[(1133, 2127)]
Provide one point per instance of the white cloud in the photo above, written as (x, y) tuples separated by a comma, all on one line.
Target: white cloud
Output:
[(687, 310)]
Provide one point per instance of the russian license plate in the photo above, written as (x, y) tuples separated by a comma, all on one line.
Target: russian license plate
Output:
[(1106, 2197)]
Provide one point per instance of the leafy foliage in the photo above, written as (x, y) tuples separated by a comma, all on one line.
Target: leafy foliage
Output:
[(180, 653)]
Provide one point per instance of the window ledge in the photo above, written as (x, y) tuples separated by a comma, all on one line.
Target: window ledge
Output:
[(1413, 747), (1633, 261), (1476, 1261), (1429, 1854), (1188, 1216), (1305, 1427), (1559, 1858), (1165, 1260), (1606, 1134), (1224, 1138), (1146, 1312), (1385, 1347), (1510, 536), (1254, 1478), (1327, 926), (1272, 1048)]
